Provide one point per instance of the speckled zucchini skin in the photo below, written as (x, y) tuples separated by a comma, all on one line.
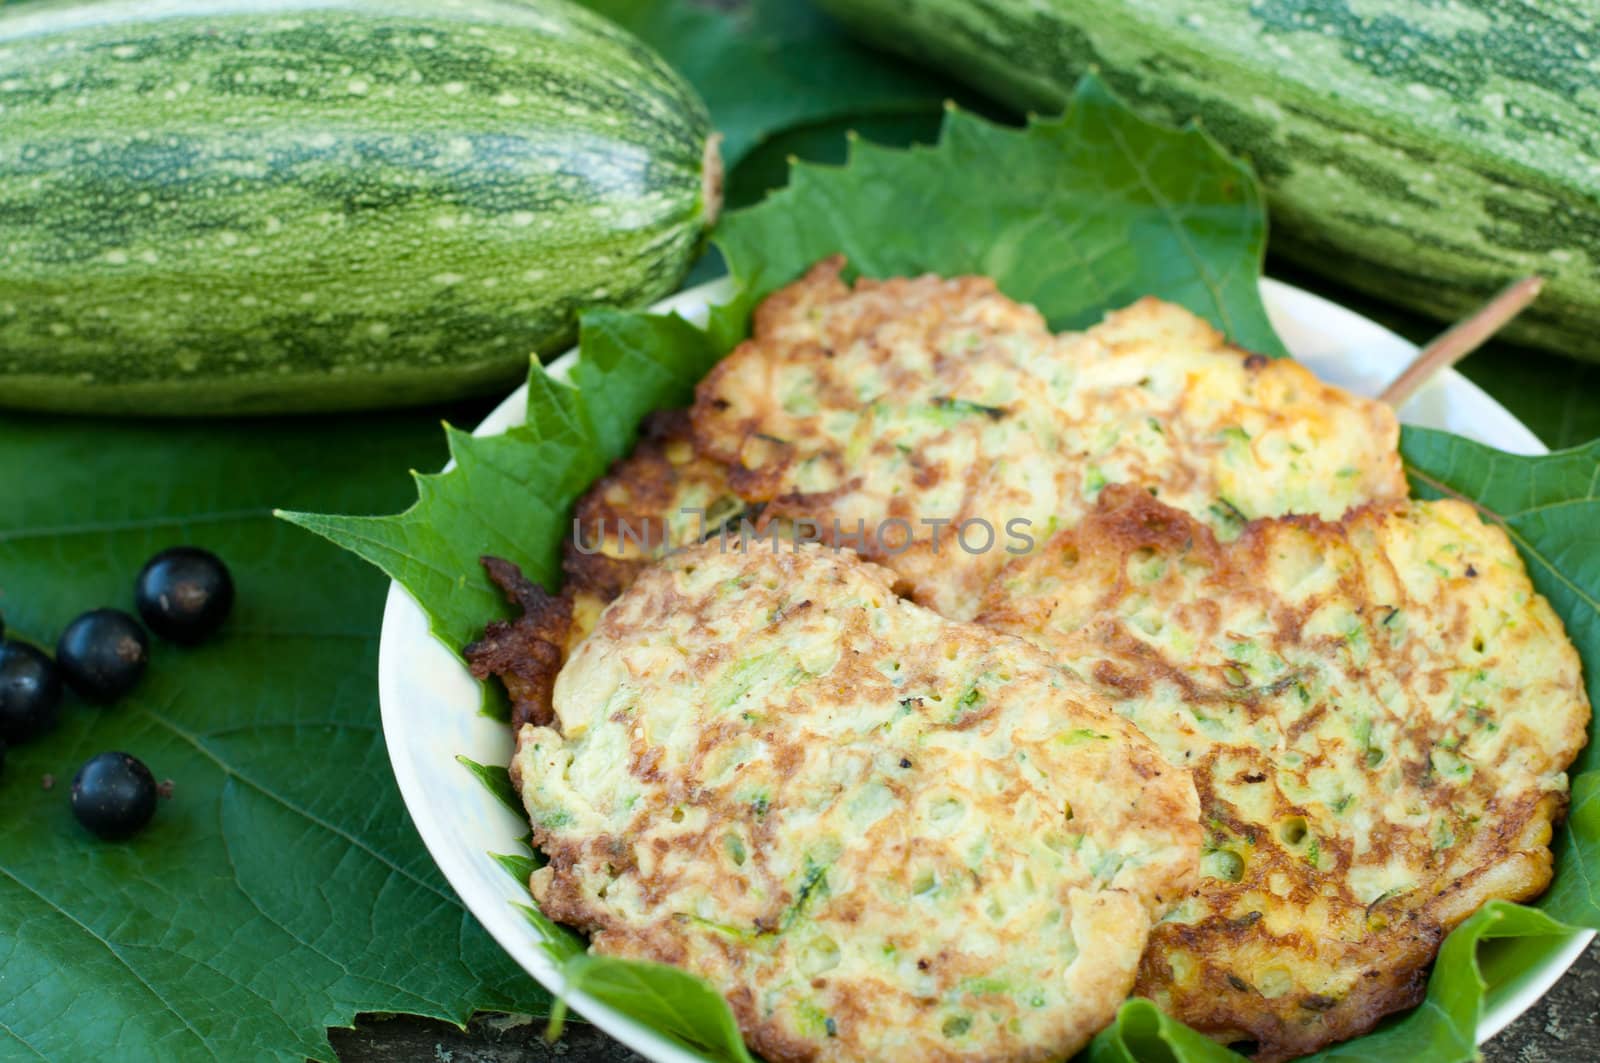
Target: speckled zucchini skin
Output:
[(231, 206), (1427, 153)]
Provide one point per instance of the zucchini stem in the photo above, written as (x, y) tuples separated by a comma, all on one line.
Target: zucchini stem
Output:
[(711, 180)]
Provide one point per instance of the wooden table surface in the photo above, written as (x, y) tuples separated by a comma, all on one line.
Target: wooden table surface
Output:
[(1563, 1028)]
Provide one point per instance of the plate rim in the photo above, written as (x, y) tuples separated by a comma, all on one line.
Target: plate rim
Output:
[(509, 930)]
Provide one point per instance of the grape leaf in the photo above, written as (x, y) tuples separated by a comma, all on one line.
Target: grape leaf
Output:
[(526, 479), (1097, 208), (772, 66), (767, 167), (282, 888)]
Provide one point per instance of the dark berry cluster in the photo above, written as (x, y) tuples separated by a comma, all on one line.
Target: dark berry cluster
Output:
[(183, 595)]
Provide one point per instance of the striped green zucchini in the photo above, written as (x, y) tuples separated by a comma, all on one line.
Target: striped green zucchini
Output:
[(1425, 152), (238, 206)]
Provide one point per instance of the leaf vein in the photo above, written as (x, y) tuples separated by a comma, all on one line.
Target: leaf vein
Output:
[(144, 524), (1202, 268), (311, 817), (21, 1040), (118, 956)]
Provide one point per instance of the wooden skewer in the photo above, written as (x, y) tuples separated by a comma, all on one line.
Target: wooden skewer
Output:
[(1461, 340)]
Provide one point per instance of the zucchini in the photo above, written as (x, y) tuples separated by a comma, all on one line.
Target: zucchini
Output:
[(1424, 152), (236, 206)]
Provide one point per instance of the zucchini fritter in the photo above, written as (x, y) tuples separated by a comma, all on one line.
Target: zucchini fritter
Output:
[(951, 402), (881, 834), (661, 497), (626, 520), (1378, 714), (932, 399)]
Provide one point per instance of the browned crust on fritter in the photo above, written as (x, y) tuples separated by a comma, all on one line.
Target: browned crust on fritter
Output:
[(1390, 942), (875, 302), (642, 491), (645, 493), (525, 652), (561, 898), (916, 410)]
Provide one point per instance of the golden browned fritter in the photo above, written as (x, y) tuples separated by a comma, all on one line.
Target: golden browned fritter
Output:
[(942, 400), (880, 834), (926, 398), (525, 652), (661, 497), (1378, 714)]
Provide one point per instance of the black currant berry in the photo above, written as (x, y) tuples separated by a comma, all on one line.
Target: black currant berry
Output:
[(102, 654), (184, 593), (114, 795), (30, 691)]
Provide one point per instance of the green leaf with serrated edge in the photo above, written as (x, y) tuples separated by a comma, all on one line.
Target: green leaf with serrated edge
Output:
[(767, 168), (1098, 207), (495, 779), (772, 66), (640, 364), (847, 209), (423, 547), (511, 494), (282, 888), (665, 998)]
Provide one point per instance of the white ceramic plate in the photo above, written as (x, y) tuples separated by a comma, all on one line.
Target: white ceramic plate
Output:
[(430, 704)]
